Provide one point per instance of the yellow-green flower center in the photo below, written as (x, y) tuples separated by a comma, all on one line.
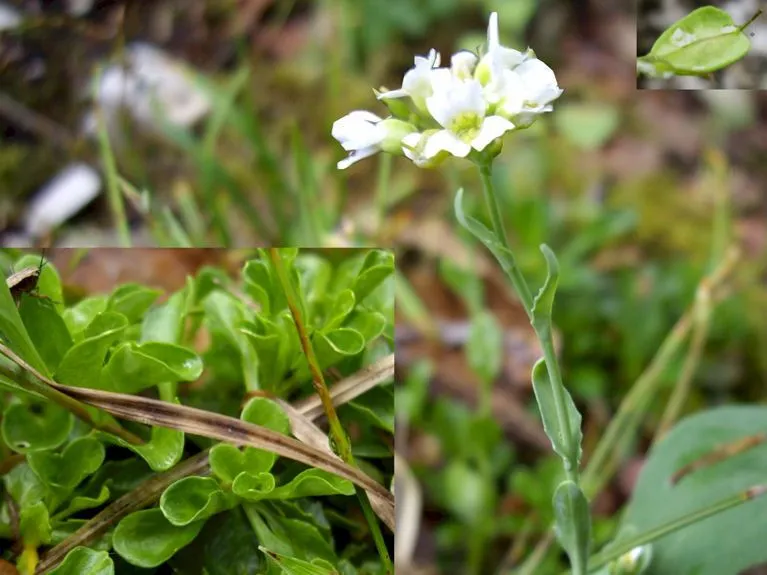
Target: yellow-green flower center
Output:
[(466, 125)]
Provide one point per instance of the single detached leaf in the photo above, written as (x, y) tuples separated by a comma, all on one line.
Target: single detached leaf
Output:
[(147, 539), (702, 42), (84, 561), (573, 523), (194, 498), (544, 395), (663, 494)]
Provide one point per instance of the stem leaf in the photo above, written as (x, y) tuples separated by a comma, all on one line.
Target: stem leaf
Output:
[(544, 395), (484, 235), (544, 301), (573, 523)]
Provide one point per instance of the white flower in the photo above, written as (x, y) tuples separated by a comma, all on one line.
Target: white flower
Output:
[(518, 84), (459, 107), (417, 80), (363, 134), (463, 63)]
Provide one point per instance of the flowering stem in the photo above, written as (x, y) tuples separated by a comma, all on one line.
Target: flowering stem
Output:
[(515, 275), (544, 334), (542, 326)]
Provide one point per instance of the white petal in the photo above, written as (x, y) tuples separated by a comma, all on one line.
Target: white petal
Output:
[(492, 31), (539, 81), (356, 156), (392, 94), (445, 141), (492, 127), (456, 97), (357, 130)]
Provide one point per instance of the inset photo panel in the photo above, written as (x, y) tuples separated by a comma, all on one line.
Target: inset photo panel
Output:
[(701, 45), (197, 411)]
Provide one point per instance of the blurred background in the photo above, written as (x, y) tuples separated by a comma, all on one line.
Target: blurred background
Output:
[(749, 73), (638, 193)]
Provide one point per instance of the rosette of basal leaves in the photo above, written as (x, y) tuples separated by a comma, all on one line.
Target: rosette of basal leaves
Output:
[(347, 307), (128, 342), (243, 484)]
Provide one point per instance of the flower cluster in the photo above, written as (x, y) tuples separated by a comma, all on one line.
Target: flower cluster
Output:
[(462, 110)]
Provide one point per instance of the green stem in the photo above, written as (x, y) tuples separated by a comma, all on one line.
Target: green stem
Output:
[(515, 275), (543, 332), (339, 439), (545, 336)]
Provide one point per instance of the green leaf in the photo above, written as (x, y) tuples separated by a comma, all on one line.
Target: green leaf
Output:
[(336, 345), (292, 537), (81, 502), (483, 234), (369, 324), (134, 367), (544, 395), (254, 486), (544, 301), (147, 539), (376, 407), (342, 306), (35, 427), (35, 524), (47, 330), (14, 333), (227, 461), (313, 482), (191, 499), (82, 364), (293, 566), (80, 315), (484, 348), (657, 499), (266, 412), (161, 452), (376, 267), (84, 561), (225, 316), (24, 486), (259, 284), (573, 523), (132, 300), (229, 546), (67, 470), (165, 322), (702, 42)]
